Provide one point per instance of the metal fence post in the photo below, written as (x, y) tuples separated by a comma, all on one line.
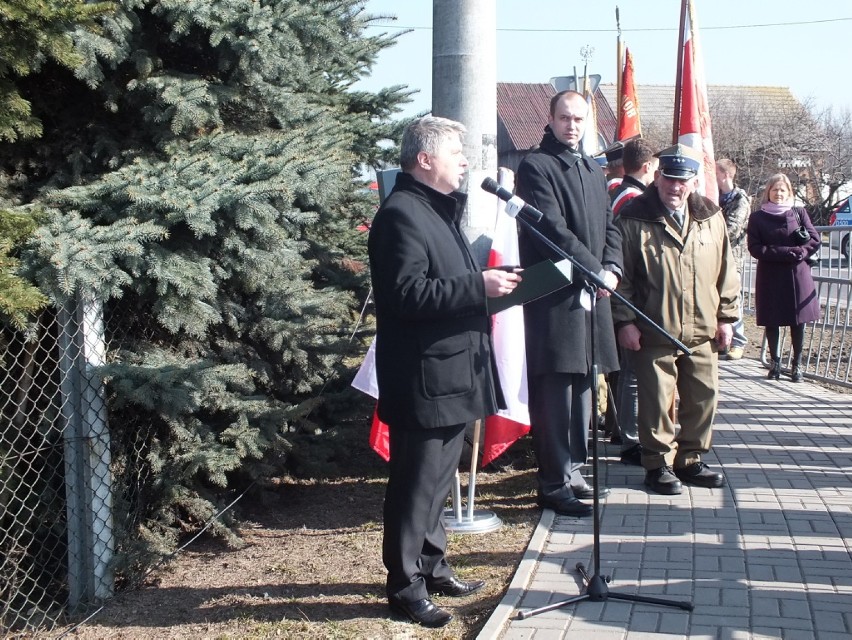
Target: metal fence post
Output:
[(88, 482)]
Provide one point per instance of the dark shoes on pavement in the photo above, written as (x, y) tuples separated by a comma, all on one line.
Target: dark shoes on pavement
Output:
[(570, 507), (700, 475), (423, 612), (668, 481), (456, 588), (632, 456), (664, 481), (587, 492), (774, 370)]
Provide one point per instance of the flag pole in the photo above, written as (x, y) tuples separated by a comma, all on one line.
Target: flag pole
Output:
[(679, 81), (474, 456), (619, 72), (474, 520)]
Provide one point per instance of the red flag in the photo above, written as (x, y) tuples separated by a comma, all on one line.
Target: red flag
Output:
[(380, 437), (694, 124), (629, 125), (504, 428), (365, 380)]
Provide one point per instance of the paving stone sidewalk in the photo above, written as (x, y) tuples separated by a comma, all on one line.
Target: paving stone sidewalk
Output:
[(767, 556)]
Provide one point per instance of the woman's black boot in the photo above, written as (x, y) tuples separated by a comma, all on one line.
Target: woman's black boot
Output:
[(775, 371), (796, 372)]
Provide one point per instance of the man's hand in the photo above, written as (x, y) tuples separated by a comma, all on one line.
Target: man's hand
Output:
[(499, 283), (724, 333), (610, 280), (630, 337)]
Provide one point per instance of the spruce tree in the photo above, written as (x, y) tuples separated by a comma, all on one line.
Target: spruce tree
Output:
[(30, 34), (200, 174), (19, 298)]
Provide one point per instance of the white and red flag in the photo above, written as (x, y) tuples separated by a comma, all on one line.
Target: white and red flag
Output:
[(629, 124), (365, 380), (505, 427), (693, 119)]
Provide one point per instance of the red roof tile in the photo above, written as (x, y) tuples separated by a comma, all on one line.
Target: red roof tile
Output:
[(523, 107)]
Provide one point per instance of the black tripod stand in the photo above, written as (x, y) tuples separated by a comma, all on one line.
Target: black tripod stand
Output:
[(597, 588)]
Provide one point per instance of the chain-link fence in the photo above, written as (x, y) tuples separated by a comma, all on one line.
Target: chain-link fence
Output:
[(57, 473), (77, 485)]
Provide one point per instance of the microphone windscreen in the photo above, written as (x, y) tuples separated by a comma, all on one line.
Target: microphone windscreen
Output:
[(490, 185)]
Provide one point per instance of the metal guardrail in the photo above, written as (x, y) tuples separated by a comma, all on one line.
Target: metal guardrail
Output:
[(827, 355)]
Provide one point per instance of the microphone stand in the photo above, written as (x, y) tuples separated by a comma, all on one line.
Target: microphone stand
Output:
[(597, 588)]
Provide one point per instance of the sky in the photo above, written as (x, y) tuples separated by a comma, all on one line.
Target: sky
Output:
[(805, 46)]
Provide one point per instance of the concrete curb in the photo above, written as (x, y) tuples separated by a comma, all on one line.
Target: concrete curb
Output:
[(496, 623)]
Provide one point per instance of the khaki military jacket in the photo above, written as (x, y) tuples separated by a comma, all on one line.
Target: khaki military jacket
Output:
[(686, 282)]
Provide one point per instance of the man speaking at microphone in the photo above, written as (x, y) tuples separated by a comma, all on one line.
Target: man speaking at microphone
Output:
[(569, 188), (434, 365)]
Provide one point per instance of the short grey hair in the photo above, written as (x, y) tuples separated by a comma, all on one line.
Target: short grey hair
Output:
[(426, 134)]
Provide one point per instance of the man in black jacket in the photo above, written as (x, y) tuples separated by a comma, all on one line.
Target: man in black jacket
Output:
[(434, 366), (570, 189)]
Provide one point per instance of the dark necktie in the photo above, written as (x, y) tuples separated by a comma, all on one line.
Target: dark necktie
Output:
[(677, 216)]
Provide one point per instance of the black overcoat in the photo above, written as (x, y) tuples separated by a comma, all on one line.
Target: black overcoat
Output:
[(570, 190), (785, 293), (433, 333)]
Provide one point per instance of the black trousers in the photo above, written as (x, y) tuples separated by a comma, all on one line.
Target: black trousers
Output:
[(423, 463), (560, 412)]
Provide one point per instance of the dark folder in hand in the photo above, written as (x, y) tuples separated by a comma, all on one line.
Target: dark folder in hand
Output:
[(537, 281)]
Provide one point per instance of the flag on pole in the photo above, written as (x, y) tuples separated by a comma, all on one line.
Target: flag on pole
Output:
[(590, 143), (505, 427), (365, 380), (629, 124), (694, 119)]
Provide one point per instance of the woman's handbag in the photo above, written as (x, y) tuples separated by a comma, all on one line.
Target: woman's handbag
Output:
[(801, 236)]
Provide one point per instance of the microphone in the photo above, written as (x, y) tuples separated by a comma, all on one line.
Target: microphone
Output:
[(514, 205)]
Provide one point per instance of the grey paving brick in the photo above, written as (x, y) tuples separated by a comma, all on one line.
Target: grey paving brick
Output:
[(831, 621), (765, 557)]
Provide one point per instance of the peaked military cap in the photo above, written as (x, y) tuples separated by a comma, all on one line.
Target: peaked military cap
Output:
[(679, 162), (614, 151)]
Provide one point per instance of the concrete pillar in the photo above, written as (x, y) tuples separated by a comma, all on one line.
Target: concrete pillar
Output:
[(464, 88)]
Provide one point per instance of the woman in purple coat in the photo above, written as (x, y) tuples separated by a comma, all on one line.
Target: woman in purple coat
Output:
[(785, 293)]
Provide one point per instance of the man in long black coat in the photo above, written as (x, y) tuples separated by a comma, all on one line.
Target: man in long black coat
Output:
[(570, 189), (434, 366)]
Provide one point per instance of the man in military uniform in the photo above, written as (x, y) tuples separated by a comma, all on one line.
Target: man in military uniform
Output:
[(679, 271)]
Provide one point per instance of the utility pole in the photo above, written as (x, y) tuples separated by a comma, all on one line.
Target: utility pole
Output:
[(464, 88)]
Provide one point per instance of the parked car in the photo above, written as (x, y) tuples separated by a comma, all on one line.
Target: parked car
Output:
[(841, 216)]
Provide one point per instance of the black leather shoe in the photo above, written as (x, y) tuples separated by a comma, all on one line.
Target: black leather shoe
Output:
[(587, 492), (700, 475), (456, 588), (632, 456), (572, 508), (423, 612), (664, 481), (774, 371), (796, 374)]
